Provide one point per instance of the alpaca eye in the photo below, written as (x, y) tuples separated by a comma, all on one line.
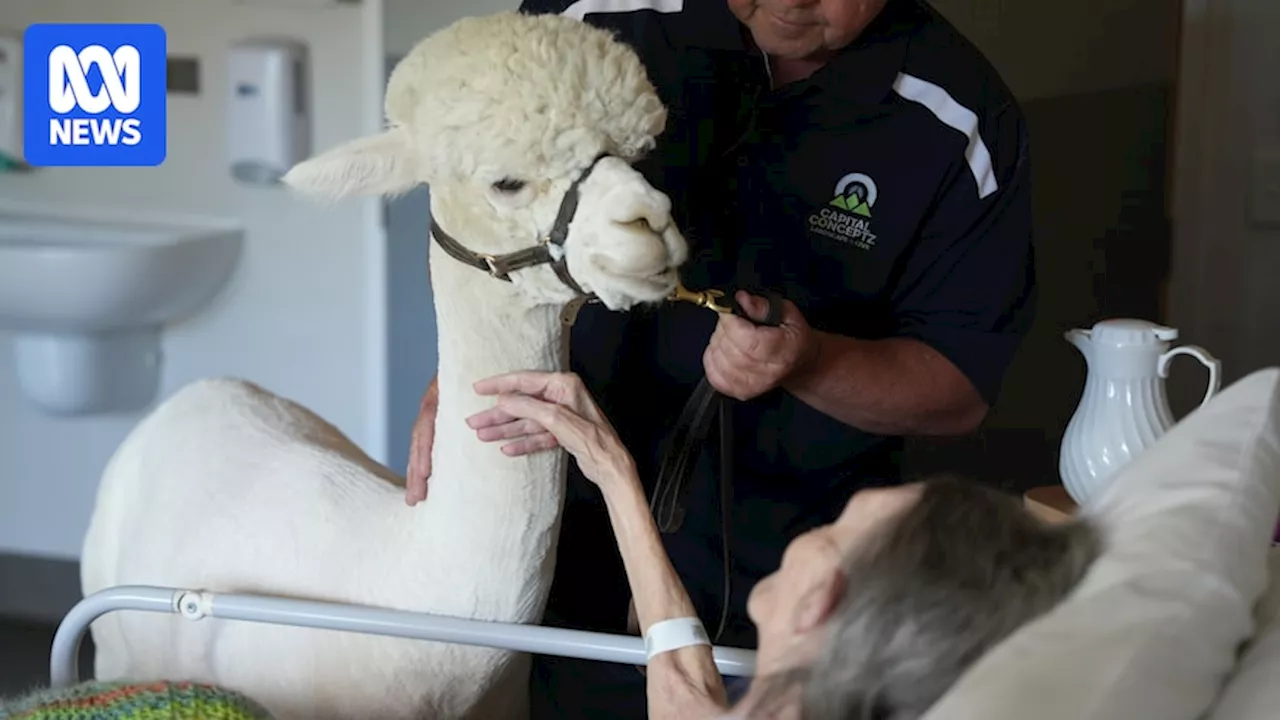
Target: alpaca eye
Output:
[(508, 185)]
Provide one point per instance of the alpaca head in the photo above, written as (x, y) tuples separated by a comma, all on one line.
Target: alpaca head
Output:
[(506, 115)]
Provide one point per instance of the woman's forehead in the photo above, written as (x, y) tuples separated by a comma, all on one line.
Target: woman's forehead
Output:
[(872, 510), (883, 500)]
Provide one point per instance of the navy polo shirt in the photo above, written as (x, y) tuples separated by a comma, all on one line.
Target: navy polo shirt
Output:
[(887, 195)]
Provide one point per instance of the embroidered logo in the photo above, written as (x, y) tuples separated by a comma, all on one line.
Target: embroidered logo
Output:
[(847, 217)]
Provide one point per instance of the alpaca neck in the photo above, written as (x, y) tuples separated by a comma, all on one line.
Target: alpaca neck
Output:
[(494, 516)]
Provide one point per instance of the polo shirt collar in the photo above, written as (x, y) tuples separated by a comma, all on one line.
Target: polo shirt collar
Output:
[(867, 68)]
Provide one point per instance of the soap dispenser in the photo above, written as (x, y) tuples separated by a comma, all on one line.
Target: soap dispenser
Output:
[(269, 123)]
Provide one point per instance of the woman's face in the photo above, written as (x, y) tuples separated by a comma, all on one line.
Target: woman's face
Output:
[(795, 600)]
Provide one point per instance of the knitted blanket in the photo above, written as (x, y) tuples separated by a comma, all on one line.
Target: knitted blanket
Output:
[(133, 701)]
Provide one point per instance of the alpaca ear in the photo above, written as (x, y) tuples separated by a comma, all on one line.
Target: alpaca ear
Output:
[(381, 164)]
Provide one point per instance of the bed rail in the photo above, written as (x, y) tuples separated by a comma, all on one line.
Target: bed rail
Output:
[(196, 605)]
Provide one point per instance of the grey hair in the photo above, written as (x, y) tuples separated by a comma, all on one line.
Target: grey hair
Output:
[(962, 569)]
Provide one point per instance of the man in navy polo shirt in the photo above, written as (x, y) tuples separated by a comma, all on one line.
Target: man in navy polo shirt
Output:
[(864, 161)]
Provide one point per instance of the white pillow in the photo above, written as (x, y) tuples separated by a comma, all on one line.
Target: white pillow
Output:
[(1253, 693), (1154, 628)]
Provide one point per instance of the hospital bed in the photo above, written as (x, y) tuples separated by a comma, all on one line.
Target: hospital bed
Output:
[(199, 606)]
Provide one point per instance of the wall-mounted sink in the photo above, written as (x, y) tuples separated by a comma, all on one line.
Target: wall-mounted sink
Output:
[(88, 291)]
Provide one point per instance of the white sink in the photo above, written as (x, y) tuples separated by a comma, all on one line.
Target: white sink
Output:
[(88, 291)]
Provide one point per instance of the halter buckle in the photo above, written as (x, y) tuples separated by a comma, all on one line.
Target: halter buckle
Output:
[(492, 262)]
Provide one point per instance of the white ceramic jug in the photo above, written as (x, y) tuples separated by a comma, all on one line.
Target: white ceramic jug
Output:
[(1124, 408)]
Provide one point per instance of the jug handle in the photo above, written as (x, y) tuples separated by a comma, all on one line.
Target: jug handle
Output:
[(1213, 364)]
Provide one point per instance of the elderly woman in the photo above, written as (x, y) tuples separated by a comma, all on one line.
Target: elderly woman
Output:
[(872, 617)]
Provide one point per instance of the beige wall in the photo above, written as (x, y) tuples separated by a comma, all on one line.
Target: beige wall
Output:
[(1225, 288)]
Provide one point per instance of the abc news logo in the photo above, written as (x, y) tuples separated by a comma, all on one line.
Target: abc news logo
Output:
[(95, 94), (69, 89)]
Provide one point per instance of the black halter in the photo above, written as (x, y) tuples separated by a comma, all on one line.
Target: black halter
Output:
[(501, 266)]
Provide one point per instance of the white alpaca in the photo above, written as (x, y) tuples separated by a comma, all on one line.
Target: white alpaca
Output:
[(226, 487)]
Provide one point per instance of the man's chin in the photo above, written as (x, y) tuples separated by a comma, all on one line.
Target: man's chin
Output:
[(797, 49)]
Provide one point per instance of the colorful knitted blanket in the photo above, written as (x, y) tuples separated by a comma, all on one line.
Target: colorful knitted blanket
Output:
[(133, 701)]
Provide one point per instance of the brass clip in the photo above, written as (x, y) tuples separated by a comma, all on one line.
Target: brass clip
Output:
[(705, 298)]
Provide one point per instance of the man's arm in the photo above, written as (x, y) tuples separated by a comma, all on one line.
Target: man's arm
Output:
[(964, 302), (896, 386)]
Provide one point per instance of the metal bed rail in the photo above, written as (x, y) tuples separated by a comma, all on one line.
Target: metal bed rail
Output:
[(196, 605)]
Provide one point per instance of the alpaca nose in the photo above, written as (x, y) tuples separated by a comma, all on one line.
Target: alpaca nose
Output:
[(640, 224), (640, 214), (652, 216)]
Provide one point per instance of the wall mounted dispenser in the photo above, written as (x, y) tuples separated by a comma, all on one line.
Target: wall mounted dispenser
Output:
[(268, 121)]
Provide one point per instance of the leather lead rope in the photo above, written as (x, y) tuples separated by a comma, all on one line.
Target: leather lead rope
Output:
[(671, 490), (690, 432), (692, 428), (568, 316)]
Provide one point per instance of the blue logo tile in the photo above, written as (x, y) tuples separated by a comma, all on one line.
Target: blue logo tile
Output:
[(94, 94)]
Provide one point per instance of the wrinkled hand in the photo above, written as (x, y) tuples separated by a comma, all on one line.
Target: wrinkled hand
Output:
[(539, 410), (745, 360), (423, 438)]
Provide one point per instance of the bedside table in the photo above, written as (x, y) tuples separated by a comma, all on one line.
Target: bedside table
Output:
[(1050, 503)]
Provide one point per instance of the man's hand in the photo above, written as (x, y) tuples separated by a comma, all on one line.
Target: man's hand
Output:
[(424, 435), (745, 360)]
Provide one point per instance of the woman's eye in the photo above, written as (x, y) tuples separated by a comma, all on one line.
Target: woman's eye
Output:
[(508, 185)]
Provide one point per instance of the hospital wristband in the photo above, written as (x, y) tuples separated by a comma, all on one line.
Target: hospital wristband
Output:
[(673, 634)]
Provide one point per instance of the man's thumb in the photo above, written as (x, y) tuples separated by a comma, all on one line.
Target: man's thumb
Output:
[(756, 308)]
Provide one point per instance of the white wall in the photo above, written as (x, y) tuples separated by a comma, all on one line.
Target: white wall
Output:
[(304, 315)]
